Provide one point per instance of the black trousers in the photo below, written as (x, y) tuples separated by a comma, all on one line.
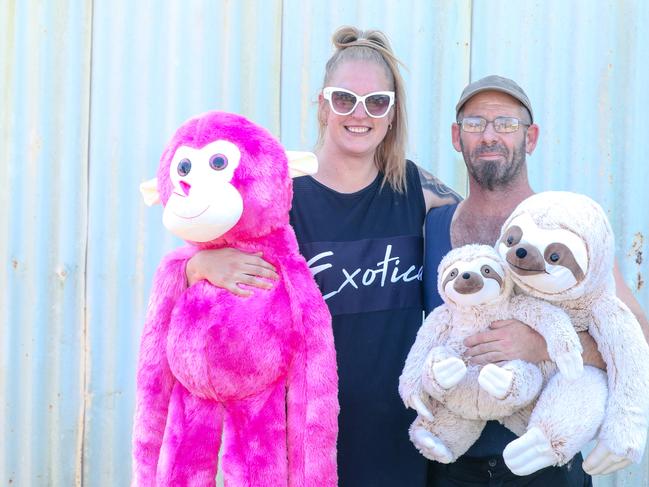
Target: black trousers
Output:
[(492, 472)]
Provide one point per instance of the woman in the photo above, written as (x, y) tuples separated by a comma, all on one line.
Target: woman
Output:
[(359, 224)]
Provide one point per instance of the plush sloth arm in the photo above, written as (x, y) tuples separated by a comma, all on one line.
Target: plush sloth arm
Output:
[(154, 378), (620, 340), (564, 346), (428, 337)]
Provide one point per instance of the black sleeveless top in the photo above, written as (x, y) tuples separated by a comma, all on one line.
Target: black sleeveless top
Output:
[(365, 250)]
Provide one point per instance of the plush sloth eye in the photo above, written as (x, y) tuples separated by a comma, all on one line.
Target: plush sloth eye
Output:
[(453, 273), (513, 236), (556, 253), (184, 166), (218, 162)]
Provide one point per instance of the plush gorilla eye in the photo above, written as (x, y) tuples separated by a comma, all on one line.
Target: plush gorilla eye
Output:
[(218, 162), (184, 166), (512, 236)]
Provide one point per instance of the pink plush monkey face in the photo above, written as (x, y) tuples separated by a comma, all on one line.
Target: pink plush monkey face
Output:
[(222, 177), (204, 204)]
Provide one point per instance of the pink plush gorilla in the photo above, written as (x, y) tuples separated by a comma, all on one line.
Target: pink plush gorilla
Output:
[(261, 367)]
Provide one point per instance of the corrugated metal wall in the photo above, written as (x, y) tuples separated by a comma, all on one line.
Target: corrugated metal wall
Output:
[(91, 91)]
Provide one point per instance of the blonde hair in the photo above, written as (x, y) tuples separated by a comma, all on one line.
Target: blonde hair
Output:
[(372, 45)]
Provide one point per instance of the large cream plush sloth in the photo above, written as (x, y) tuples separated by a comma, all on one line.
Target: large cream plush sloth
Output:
[(559, 247), (454, 399)]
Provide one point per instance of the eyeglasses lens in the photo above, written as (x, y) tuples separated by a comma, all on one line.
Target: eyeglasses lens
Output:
[(506, 124), (501, 124), (343, 102), (377, 105)]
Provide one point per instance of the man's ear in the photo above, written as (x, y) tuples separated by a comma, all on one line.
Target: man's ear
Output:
[(455, 136), (531, 138)]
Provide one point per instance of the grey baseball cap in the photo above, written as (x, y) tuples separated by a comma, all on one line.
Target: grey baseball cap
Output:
[(495, 83)]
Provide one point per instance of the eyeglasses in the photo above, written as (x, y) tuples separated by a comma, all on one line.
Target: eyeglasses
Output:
[(502, 125), (343, 102)]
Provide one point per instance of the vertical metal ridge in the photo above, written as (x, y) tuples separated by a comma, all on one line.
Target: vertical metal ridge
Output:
[(84, 376)]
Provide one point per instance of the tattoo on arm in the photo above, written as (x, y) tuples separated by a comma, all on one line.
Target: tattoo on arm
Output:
[(435, 186)]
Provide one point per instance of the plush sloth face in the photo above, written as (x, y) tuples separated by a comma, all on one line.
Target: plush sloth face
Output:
[(550, 260), (473, 282)]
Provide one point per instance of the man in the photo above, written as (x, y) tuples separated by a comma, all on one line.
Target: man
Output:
[(495, 130)]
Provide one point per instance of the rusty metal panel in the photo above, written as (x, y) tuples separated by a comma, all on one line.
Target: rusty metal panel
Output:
[(154, 66), (93, 90), (581, 65), (43, 212)]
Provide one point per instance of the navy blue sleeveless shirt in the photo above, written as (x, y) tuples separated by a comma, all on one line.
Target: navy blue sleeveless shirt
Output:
[(494, 436), (365, 250)]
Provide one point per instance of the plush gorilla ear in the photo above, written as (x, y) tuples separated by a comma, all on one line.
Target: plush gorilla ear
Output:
[(149, 191)]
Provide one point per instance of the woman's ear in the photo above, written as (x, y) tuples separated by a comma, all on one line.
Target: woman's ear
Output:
[(323, 108)]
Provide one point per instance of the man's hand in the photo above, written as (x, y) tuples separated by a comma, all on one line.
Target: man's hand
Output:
[(228, 268), (506, 340)]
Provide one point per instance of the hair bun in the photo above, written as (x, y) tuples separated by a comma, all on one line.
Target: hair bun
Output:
[(348, 36)]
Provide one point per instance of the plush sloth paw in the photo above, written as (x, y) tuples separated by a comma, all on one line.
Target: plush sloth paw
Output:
[(529, 453), (448, 372), (430, 446), (496, 380), (570, 364)]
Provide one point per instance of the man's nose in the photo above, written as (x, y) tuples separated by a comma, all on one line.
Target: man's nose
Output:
[(490, 132)]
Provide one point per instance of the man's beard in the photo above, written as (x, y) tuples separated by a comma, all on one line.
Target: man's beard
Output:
[(494, 174)]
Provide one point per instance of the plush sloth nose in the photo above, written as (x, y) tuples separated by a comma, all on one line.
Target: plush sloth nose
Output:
[(521, 253), (466, 275)]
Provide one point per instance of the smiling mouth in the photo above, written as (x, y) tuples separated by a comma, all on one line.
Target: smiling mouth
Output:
[(358, 130), (191, 217), (527, 271)]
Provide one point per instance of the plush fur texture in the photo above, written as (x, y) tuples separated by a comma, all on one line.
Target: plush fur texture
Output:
[(461, 410), (262, 368), (592, 305)]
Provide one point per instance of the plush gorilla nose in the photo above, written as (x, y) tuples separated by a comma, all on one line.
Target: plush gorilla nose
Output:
[(521, 253), (466, 275)]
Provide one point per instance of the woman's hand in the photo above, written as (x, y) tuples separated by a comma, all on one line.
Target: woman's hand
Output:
[(506, 340), (227, 268)]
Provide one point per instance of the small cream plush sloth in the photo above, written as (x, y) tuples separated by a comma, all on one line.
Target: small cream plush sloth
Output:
[(559, 247), (454, 399)]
